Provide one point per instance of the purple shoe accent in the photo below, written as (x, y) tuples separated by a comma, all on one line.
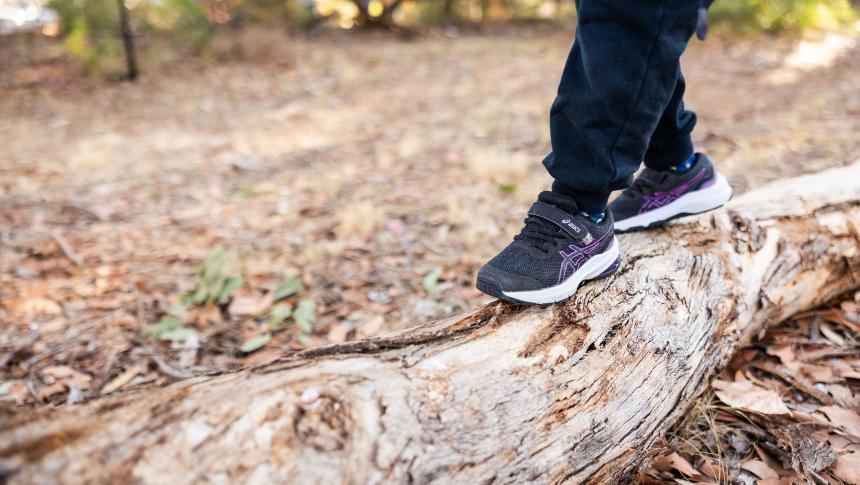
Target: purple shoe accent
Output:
[(710, 182), (578, 256), (659, 199)]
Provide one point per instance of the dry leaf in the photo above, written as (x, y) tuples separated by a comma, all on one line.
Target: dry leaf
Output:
[(371, 327), (849, 374), (55, 388), (843, 418), (724, 417), (263, 355), (760, 468), (249, 305), (842, 395), (819, 373), (18, 391), (646, 479), (679, 463), (699, 480), (777, 481), (712, 470), (847, 467), (832, 335), (63, 374), (660, 463), (840, 443), (785, 352), (32, 307), (338, 332), (53, 325), (851, 312), (122, 379), (208, 315), (746, 395)]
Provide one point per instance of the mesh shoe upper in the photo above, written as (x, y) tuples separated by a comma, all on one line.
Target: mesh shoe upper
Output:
[(549, 249), (653, 189)]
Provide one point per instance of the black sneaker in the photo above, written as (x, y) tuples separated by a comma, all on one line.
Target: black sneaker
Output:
[(658, 196), (556, 251)]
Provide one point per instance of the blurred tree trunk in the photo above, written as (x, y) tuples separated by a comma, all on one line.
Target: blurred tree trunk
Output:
[(385, 20), (127, 41), (390, 9), (573, 393), (448, 9)]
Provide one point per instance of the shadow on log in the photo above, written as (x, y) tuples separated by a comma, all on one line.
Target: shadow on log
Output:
[(571, 393)]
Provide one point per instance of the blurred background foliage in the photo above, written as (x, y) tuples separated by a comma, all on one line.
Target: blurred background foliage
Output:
[(166, 30), (776, 15)]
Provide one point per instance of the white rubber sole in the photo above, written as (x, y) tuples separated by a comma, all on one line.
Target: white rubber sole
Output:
[(688, 204), (592, 268)]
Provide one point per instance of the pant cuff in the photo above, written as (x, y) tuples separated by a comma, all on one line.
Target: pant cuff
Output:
[(586, 201), (665, 158)]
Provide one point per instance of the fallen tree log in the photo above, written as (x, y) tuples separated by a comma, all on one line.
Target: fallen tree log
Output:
[(570, 393)]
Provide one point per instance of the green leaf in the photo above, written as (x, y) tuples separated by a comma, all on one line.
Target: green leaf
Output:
[(431, 279), (214, 264), (166, 324), (256, 343), (230, 286), (507, 188), (212, 285), (247, 191), (288, 287), (179, 334), (279, 314), (197, 296), (212, 289), (304, 315)]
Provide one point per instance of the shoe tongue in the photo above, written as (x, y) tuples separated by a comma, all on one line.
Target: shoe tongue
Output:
[(563, 202)]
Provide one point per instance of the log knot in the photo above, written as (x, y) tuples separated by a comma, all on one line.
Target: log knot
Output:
[(747, 235), (322, 421)]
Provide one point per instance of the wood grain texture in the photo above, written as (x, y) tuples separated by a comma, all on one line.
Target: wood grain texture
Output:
[(572, 393)]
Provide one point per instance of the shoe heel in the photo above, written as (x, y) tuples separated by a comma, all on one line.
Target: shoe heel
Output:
[(710, 198), (610, 270)]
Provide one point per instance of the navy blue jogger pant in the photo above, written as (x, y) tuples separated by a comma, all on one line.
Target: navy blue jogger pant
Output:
[(620, 99)]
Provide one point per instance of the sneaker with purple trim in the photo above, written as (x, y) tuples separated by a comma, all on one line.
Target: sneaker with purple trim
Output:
[(557, 250), (658, 196)]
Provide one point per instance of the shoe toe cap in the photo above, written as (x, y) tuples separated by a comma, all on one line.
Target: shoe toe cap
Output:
[(494, 281)]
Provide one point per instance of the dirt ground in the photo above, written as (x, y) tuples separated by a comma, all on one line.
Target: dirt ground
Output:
[(379, 173)]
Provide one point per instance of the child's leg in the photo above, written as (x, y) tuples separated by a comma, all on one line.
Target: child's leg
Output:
[(618, 80), (676, 182), (671, 143)]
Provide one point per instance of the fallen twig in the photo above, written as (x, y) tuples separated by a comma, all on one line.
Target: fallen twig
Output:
[(67, 248)]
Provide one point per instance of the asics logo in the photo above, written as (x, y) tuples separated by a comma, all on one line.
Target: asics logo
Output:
[(571, 225)]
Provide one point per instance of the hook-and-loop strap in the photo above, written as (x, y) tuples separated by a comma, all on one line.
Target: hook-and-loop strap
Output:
[(560, 218)]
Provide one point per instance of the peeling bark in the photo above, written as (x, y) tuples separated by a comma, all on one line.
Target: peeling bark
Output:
[(571, 393)]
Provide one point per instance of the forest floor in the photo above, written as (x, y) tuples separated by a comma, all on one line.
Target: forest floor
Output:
[(215, 215)]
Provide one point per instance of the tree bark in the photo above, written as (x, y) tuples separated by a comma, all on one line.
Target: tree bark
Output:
[(127, 41), (571, 393)]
